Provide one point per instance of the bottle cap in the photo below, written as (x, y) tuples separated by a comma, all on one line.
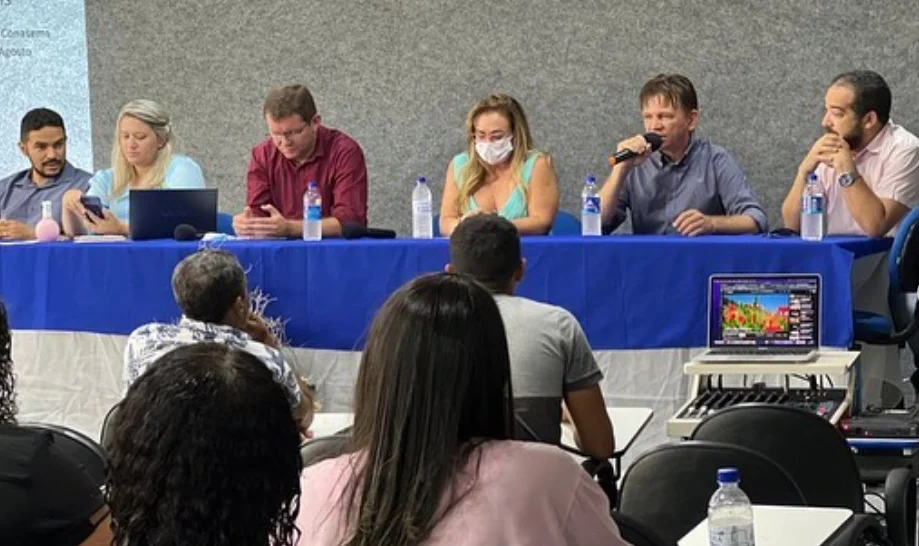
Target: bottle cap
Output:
[(421, 180), (46, 211), (728, 475), (590, 179), (812, 176), (312, 184)]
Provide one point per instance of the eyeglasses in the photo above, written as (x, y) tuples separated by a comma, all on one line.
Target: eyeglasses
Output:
[(289, 135)]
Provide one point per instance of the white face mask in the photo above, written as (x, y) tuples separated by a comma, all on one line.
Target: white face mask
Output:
[(494, 152)]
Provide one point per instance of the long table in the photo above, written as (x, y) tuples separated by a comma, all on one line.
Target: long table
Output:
[(629, 292)]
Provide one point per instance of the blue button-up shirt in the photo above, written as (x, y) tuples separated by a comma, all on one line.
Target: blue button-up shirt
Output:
[(707, 179), (20, 199)]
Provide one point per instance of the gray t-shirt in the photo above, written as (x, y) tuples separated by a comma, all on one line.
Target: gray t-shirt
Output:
[(549, 356)]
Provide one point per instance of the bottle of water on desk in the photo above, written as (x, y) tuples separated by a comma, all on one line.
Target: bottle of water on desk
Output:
[(730, 516), (812, 209), (422, 217), (590, 207), (312, 213)]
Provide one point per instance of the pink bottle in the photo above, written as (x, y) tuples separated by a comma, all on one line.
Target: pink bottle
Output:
[(47, 229)]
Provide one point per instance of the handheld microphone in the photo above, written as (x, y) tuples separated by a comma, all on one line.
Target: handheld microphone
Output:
[(357, 231), (653, 139), (186, 232)]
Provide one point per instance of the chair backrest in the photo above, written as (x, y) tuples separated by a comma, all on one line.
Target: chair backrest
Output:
[(225, 223), (669, 486), (565, 223), (105, 435), (638, 534), (809, 448), (319, 449), (81, 449)]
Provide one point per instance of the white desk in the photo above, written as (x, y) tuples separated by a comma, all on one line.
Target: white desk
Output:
[(627, 425), (783, 526), (327, 424)]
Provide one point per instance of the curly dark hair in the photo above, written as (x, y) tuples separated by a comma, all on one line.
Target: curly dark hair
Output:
[(7, 382), (204, 450)]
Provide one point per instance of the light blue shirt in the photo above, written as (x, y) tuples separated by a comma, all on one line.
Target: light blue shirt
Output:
[(182, 173), (707, 178)]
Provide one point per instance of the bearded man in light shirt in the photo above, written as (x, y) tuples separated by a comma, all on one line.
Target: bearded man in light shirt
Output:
[(867, 165)]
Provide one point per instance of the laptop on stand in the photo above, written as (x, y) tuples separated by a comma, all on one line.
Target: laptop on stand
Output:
[(763, 318)]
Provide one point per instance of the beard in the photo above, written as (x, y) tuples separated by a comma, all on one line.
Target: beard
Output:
[(853, 138), (45, 168)]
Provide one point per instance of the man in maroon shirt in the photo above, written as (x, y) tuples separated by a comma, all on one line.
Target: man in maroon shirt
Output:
[(300, 150)]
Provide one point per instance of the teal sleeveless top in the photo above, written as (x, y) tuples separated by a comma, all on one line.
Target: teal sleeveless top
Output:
[(516, 206)]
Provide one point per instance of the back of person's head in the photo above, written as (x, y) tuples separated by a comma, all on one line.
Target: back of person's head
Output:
[(872, 94), (487, 248), (207, 284), (7, 382), (290, 100), (157, 118), (37, 119), (434, 383), (674, 89), (204, 451)]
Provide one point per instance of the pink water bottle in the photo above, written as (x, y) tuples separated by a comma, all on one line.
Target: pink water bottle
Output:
[(47, 229)]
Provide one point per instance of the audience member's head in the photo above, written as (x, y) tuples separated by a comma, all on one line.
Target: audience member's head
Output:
[(43, 139), (434, 383), (293, 123), (7, 382), (203, 451), (497, 133), (487, 248), (143, 143), (210, 286), (857, 106)]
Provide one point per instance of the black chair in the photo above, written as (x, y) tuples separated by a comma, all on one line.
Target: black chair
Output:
[(669, 486), (638, 534), (107, 424), (81, 449), (817, 458), (319, 449)]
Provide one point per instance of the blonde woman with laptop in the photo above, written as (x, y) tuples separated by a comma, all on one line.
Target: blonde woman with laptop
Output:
[(142, 158)]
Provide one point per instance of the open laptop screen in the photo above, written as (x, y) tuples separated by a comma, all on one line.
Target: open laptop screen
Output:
[(781, 311)]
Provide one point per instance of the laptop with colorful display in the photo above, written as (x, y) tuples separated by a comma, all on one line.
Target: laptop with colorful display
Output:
[(769, 317)]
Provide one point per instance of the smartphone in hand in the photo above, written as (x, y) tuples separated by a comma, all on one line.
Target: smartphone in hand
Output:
[(93, 205)]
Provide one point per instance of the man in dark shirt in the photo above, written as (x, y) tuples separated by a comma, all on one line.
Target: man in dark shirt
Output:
[(690, 186), (43, 140), (300, 150)]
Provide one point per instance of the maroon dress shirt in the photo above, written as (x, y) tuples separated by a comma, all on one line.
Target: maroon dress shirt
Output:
[(337, 166)]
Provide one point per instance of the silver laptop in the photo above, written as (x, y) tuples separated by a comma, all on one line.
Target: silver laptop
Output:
[(763, 318)]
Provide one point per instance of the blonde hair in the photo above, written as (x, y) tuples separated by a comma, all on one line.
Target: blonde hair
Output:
[(153, 115), (472, 176)]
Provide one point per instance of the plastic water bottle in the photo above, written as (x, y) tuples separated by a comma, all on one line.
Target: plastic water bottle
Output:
[(730, 516), (422, 217), (812, 209), (312, 213), (590, 207)]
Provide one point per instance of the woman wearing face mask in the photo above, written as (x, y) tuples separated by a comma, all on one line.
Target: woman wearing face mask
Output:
[(500, 172), (142, 158)]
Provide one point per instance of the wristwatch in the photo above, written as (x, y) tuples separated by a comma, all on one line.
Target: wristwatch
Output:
[(847, 179)]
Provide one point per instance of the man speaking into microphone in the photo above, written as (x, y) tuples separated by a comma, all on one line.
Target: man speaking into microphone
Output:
[(672, 182)]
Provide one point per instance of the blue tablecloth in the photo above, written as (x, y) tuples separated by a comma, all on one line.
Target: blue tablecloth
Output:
[(629, 292)]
